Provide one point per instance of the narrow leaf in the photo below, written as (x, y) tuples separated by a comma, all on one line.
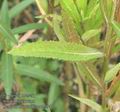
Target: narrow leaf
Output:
[(7, 34), (57, 29), (37, 73), (57, 50), (112, 73), (114, 86), (81, 4), (88, 102), (7, 73), (86, 71), (70, 7), (53, 94), (70, 28), (28, 27), (20, 7), (60, 105), (4, 15)]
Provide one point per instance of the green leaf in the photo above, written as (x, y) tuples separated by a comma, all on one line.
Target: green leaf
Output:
[(37, 73), (88, 102), (4, 15), (114, 88), (89, 34), (60, 105), (7, 34), (94, 11), (112, 73), (116, 28), (20, 7), (28, 27), (86, 71), (53, 94), (81, 4), (70, 29), (7, 73), (57, 29), (57, 50), (70, 8)]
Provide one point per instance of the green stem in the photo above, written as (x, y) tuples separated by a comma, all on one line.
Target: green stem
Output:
[(108, 44)]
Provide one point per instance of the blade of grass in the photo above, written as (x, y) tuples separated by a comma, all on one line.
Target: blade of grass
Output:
[(7, 34), (4, 15), (28, 27), (7, 73), (19, 8)]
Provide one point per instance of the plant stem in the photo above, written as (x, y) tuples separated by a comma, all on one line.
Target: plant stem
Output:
[(109, 42)]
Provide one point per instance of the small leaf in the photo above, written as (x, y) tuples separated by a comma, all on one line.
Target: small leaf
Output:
[(4, 15), (116, 28), (37, 73), (57, 50), (89, 34), (53, 94), (114, 86), (7, 34), (70, 8), (86, 71), (60, 105), (28, 27), (57, 29), (20, 7), (69, 27), (112, 73), (7, 73), (94, 11), (88, 102), (81, 4)]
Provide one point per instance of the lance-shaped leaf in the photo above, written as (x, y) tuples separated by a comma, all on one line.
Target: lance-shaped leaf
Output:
[(71, 9), (20, 7), (37, 73), (7, 73), (114, 86), (28, 27), (56, 26), (54, 92), (88, 102), (7, 34), (81, 4), (57, 50), (4, 14), (112, 73), (86, 71)]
